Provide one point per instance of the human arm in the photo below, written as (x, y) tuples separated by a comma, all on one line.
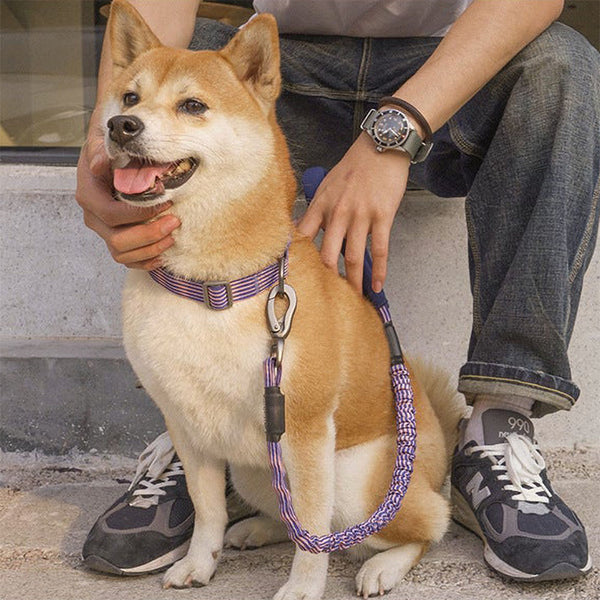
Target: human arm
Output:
[(363, 191), (130, 240)]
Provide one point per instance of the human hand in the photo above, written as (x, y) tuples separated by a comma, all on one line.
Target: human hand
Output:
[(360, 195), (130, 240)]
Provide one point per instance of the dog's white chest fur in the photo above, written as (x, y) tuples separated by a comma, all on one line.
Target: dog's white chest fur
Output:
[(202, 367)]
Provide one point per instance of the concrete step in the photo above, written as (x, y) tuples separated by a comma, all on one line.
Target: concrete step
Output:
[(48, 504), (65, 383)]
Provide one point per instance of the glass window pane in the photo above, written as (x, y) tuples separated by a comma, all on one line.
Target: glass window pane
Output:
[(48, 63), (49, 53)]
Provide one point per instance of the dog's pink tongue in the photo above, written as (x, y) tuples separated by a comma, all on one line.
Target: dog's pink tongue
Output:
[(136, 177)]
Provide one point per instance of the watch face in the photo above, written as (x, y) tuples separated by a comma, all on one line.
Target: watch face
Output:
[(390, 128)]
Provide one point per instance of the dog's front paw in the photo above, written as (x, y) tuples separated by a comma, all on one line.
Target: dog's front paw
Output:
[(295, 591), (255, 532), (191, 571)]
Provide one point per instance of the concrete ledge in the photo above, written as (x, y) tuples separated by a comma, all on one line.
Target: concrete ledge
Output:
[(65, 381), (60, 396), (62, 348)]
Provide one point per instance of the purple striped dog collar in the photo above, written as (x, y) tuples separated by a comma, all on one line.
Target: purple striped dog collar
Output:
[(219, 295)]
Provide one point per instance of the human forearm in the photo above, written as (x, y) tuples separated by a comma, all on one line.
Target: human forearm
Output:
[(363, 191), (173, 27), (484, 38)]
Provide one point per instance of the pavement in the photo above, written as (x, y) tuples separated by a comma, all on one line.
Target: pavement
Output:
[(49, 503)]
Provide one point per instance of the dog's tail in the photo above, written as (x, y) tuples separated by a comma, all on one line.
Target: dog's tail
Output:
[(449, 406)]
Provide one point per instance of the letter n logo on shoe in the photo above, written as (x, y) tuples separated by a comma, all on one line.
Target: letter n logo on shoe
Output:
[(478, 493)]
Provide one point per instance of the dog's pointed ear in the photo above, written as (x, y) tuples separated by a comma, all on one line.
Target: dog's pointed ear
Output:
[(129, 35), (254, 55)]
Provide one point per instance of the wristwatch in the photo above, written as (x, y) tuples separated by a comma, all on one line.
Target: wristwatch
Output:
[(391, 130)]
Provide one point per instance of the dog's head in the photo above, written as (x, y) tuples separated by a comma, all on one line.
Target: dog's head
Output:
[(180, 123)]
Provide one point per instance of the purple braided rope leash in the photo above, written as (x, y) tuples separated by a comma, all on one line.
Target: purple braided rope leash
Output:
[(405, 443)]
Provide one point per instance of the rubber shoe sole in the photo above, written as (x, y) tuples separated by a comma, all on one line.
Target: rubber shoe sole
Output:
[(159, 564)]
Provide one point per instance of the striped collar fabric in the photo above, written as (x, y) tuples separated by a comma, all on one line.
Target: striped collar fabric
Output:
[(220, 295)]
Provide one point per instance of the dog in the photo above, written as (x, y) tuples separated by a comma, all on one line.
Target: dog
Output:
[(199, 129)]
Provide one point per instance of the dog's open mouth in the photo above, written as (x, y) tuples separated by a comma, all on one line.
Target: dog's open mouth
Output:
[(142, 180)]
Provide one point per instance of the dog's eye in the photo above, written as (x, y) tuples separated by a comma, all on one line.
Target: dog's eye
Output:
[(193, 106), (130, 99)]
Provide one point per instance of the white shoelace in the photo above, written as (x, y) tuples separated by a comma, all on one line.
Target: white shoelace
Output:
[(519, 463), (154, 471), (149, 490)]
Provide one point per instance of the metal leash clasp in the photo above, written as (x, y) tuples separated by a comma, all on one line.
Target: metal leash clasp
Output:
[(280, 328)]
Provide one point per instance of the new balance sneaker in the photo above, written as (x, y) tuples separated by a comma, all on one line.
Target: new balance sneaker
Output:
[(150, 526), (501, 492)]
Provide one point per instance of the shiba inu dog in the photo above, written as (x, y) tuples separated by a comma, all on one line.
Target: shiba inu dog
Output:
[(199, 129)]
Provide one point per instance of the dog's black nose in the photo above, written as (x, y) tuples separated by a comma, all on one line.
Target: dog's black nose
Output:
[(124, 128)]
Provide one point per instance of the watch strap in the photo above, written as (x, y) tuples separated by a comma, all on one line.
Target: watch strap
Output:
[(417, 149), (369, 119)]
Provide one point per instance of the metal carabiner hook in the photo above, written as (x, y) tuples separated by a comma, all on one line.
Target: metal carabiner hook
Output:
[(277, 353), (281, 328)]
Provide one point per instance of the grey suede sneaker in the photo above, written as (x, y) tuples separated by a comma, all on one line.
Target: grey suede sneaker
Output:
[(501, 492), (149, 527)]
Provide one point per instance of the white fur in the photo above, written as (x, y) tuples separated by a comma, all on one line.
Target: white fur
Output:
[(211, 396), (307, 579), (353, 469), (255, 532), (215, 389), (206, 483), (447, 403)]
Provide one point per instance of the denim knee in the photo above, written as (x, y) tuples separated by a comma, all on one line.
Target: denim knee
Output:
[(563, 66)]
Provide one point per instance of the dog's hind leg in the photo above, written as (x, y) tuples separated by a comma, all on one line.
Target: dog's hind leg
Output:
[(205, 479), (253, 485), (422, 520), (381, 573), (255, 532)]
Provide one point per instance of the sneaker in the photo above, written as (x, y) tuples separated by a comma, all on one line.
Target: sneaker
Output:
[(148, 528), (501, 492)]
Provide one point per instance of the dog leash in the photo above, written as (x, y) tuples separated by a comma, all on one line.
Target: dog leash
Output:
[(275, 412)]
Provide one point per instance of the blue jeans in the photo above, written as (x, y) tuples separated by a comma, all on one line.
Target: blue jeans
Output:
[(525, 151)]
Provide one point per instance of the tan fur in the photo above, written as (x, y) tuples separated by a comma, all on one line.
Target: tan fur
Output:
[(203, 368)]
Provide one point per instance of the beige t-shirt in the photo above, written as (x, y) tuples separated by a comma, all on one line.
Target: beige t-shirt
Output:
[(364, 18)]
